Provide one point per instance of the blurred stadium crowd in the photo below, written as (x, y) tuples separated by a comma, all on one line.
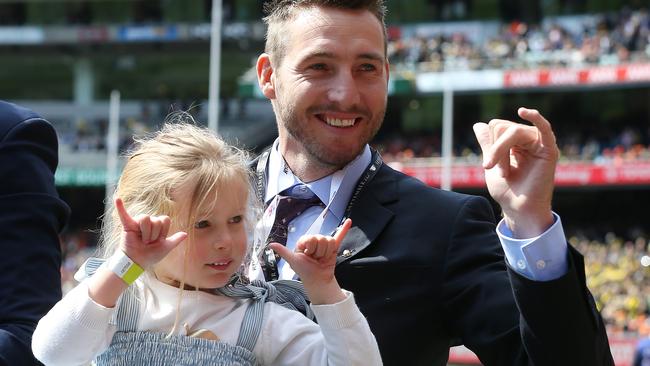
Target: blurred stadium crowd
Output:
[(605, 39), (618, 274), (630, 144)]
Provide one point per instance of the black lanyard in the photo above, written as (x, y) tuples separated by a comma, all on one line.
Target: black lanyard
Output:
[(375, 164), (368, 174), (260, 171)]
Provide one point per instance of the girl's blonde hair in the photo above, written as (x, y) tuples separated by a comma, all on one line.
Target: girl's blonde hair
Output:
[(180, 153), (185, 155)]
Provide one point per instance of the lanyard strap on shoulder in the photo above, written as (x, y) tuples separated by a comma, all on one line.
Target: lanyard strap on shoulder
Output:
[(260, 172), (372, 169)]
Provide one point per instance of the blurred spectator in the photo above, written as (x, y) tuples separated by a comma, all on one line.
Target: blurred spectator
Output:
[(76, 246), (642, 353)]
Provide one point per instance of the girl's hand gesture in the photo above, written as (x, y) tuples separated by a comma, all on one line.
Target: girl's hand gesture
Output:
[(145, 238), (313, 261)]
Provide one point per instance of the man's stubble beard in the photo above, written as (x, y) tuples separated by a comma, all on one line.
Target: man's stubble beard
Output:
[(315, 153)]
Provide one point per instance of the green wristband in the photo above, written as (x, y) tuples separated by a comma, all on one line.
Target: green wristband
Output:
[(124, 267)]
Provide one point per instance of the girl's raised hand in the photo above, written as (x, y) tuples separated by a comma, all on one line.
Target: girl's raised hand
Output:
[(145, 238), (314, 260)]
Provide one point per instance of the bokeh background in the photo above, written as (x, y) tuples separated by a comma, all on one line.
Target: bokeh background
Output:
[(584, 63)]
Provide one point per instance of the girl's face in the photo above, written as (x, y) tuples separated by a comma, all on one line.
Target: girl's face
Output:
[(217, 246)]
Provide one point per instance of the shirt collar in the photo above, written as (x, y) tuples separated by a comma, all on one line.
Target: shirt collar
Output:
[(281, 178)]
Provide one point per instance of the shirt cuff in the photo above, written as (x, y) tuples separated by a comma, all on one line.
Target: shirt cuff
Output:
[(341, 315), (88, 313), (542, 258)]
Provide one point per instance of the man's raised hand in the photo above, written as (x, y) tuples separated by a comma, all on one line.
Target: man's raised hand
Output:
[(519, 162)]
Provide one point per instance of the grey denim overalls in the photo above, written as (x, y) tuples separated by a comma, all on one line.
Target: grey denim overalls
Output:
[(130, 347)]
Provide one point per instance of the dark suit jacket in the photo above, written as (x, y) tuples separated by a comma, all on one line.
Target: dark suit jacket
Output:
[(31, 215), (428, 271)]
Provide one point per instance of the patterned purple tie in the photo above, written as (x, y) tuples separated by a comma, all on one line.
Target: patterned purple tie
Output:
[(291, 203)]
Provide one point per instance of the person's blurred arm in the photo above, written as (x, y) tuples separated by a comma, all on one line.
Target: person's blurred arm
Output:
[(31, 216)]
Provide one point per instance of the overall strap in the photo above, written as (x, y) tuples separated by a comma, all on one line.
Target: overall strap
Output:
[(287, 293), (128, 311), (251, 326), (128, 308)]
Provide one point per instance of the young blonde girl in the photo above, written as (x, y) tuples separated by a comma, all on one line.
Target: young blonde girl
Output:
[(162, 299)]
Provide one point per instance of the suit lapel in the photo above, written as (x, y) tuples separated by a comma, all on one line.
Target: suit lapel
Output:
[(369, 214)]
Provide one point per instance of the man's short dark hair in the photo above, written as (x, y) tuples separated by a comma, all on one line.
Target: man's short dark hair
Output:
[(279, 12)]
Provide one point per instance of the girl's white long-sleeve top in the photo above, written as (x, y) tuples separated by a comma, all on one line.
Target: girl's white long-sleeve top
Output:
[(77, 329)]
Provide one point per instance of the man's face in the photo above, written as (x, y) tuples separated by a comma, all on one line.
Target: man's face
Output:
[(330, 89)]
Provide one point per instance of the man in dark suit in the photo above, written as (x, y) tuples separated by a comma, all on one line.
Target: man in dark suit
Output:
[(31, 216), (426, 266)]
